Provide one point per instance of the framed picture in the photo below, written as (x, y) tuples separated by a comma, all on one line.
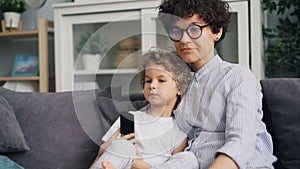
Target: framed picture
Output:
[(26, 65)]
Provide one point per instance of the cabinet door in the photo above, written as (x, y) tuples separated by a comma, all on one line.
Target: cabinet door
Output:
[(122, 33), (116, 28), (235, 47)]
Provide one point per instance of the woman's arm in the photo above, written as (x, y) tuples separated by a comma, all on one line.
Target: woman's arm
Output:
[(139, 163), (241, 119), (181, 147), (223, 161)]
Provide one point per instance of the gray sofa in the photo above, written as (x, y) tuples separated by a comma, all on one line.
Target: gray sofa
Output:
[(63, 130)]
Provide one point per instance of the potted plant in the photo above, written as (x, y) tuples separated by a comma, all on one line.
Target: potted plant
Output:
[(283, 40), (12, 10), (91, 49)]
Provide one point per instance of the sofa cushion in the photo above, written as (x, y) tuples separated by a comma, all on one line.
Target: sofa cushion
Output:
[(11, 135), (281, 106), (55, 126), (110, 108)]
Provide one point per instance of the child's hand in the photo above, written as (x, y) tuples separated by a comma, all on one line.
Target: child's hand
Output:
[(130, 137), (139, 162), (107, 165), (106, 144)]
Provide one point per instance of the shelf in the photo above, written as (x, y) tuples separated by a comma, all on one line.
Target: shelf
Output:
[(45, 28), (20, 34), (29, 78), (26, 33), (106, 71)]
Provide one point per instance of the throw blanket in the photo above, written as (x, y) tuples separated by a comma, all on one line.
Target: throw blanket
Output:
[(6, 163)]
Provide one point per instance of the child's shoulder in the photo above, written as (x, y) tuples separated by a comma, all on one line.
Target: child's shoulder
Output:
[(136, 112)]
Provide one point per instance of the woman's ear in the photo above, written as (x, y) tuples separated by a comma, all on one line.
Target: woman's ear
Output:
[(179, 92), (219, 34)]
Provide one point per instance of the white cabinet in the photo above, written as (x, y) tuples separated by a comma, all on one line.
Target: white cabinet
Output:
[(133, 19)]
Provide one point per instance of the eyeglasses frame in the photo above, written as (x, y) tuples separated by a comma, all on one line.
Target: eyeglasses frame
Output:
[(186, 30)]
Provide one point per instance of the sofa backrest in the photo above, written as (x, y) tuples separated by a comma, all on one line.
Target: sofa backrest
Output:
[(64, 130), (281, 106)]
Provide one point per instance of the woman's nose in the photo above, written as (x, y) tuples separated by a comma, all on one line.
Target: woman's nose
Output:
[(185, 37)]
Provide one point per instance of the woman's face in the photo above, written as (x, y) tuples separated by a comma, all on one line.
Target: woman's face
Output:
[(199, 51)]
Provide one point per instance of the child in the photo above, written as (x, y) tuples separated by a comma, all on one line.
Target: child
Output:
[(164, 77)]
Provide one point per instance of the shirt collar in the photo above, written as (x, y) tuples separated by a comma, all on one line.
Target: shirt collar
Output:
[(205, 69)]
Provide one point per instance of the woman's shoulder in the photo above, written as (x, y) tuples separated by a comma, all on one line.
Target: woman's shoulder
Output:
[(237, 70), (237, 74)]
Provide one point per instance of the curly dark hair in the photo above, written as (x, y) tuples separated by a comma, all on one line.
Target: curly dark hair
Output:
[(171, 62), (214, 12)]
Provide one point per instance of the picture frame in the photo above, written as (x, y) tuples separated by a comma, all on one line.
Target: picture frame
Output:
[(25, 65)]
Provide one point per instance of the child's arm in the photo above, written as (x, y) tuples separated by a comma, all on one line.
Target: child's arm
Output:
[(181, 147), (105, 145)]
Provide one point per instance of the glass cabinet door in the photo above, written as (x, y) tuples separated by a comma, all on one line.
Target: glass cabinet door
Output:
[(235, 47), (120, 33)]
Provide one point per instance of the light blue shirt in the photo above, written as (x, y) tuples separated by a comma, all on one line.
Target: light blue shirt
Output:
[(221, 112)]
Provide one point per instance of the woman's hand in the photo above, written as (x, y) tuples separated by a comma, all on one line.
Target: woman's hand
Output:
[(139, 162)]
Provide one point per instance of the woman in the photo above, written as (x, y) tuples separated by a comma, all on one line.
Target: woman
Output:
[(222, 109)]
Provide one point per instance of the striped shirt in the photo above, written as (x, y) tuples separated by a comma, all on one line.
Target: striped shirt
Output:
[(221, 112)]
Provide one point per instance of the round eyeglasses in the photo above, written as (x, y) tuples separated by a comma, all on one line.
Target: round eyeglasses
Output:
[(193, 31)]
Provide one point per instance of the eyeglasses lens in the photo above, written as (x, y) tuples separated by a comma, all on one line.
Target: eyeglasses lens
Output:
[(194, 31)]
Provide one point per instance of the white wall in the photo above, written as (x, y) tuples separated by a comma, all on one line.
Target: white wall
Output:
[(30, 16)]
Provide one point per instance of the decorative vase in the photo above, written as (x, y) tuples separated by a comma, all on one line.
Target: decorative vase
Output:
[(12, 19), (91, 61)]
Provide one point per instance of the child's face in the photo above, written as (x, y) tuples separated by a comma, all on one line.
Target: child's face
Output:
[(160, 87)]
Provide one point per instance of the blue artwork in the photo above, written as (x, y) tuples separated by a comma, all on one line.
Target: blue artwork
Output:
[(25, 65)]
